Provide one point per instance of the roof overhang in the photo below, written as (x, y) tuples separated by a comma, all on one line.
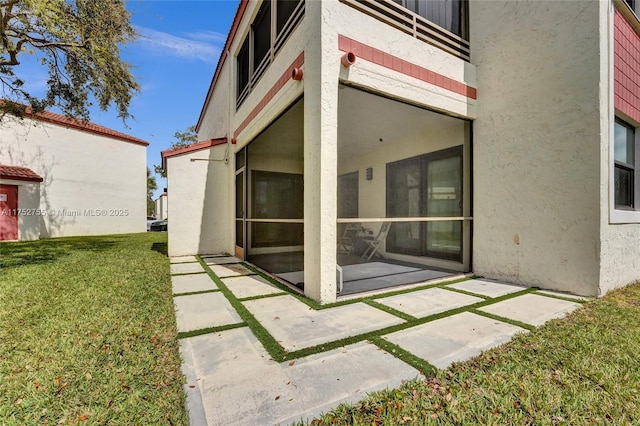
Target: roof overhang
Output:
[(191, 148), (19, 173)]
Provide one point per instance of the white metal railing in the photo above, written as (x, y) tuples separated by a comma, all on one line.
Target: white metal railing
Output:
[(411, 23), (256, 71)]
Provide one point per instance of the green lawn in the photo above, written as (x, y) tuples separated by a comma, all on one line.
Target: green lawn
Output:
[(584, 369), (87, 332)]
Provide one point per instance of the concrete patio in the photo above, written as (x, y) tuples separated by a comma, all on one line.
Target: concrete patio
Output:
[(297, 361)]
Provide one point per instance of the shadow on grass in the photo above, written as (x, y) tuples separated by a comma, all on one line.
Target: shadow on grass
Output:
[(43, 251), (161, 248)]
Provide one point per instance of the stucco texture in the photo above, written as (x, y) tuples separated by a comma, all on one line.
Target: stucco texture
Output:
[(537, 143), (93, 184)]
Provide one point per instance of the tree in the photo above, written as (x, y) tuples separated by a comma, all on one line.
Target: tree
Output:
[(151, 186), (78, 41), (185, 138)]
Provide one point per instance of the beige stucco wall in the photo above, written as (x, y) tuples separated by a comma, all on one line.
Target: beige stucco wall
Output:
[(619, 231), (93, 185), (162, 206), (537, 143), (198, 200)]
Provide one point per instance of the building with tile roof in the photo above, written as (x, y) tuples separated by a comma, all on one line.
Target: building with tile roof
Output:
[(65, 177)]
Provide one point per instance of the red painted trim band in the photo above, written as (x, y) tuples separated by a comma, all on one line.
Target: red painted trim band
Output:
[(192, 148), (284, 78), (394, 63)]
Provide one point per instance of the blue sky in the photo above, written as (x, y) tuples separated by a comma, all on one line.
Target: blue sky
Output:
[(173, 61)]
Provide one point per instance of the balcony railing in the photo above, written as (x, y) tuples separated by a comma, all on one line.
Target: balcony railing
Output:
[(400, 17), (278, 37)]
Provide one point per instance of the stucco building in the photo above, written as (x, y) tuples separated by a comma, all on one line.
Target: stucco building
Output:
[(351, 143), (60, 177), (162, 207)]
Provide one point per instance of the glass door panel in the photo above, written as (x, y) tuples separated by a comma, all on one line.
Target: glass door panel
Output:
[(444, 198), (429, 185), (240, 204)]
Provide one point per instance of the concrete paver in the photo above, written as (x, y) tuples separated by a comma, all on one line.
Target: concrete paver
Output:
[(560, 294), (231, 379), (183, 259), (455, 338), (199, 311), (220, 260), (531, 309), (230, 270), (250, 286), (241, 385), (295, 325), (423, 303), (487, 288), (192, 283), (186, 268)]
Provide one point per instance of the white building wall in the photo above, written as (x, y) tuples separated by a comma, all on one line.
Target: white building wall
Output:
[(215, 121), (93, 185), (620, 240), (161, 209), (198, 199), (537, 143)]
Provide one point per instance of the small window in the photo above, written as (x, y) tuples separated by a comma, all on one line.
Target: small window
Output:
[(624, 163), (634, 5), (262, 34), (243, 68), (284, 11)]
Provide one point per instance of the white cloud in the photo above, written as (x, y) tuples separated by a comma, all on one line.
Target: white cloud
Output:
[(200, 46), (210, 36)]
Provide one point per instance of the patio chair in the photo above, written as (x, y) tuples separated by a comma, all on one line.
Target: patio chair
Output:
[(347, 242), (374, 245)]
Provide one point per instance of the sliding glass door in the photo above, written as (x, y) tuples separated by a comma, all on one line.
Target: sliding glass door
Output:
[(428, 185)]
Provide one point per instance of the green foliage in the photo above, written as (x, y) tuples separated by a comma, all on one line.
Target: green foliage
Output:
[(580, 370), (151, 186), (88, 334), (182, 139), (78, 41)]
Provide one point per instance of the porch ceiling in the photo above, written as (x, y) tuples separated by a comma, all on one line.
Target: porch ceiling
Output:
[(365, 118)]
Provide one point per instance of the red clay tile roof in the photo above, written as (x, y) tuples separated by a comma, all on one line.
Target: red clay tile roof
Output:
[(52, 117), (19, 173), (191, 148)]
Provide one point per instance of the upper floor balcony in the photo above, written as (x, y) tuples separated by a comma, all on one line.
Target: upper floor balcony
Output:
[(441, 23)]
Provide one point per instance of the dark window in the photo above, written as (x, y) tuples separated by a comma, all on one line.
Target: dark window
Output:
[(429, 185), (261, 34), (285, 9), (624, 159), (348, 195), (243, 68), (444, 13), (276, 195), (260, 46)]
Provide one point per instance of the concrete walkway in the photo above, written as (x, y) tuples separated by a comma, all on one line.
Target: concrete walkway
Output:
[(254, 354)]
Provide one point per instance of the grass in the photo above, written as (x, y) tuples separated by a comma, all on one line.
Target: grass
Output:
[(87, 332), (584, 369)]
